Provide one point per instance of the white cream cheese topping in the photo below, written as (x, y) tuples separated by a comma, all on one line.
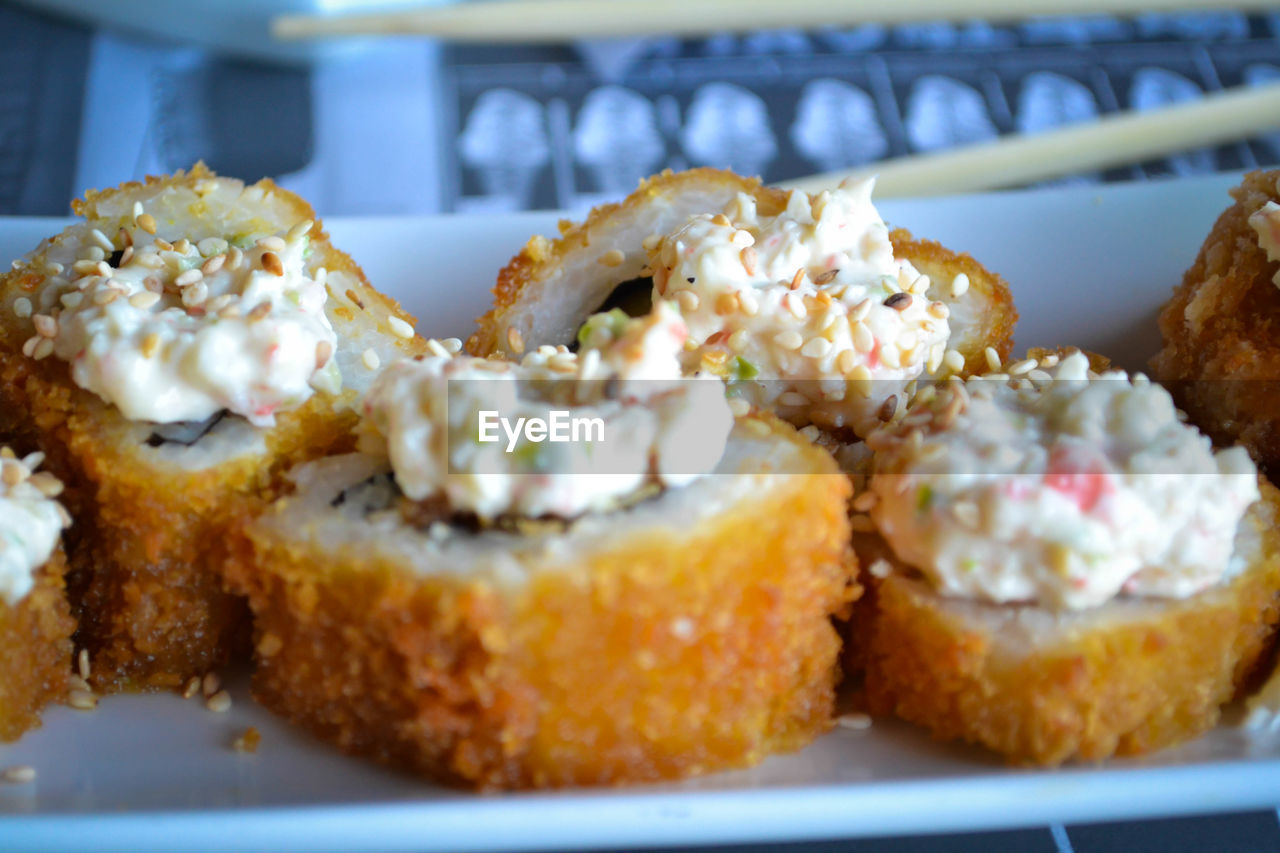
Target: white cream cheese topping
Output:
[(1066, 490), (1265, 221), (655, 426), (179, 331), (810, 301), (31, 522)]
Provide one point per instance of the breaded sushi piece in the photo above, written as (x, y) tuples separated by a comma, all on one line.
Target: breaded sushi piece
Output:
[(1107, 604), (546, 293), (35, 620), (498, 618), (170, 353), (1221, 329)]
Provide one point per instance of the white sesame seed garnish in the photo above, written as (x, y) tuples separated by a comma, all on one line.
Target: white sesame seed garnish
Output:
[(144, 299), (192, 687), (993, 358), (272, 244), (146, 222), (19, 774), (758, 427), (82, 664), (863, 339), (188, 277), (370, 359), (612, 258), (43, 349), (795, 305), (211, 246), (400, 328), (219, 702), (857, 722), (437, 349), (959, 285), (102, 240), (953, 360), (881, 568), (749, 304), (738, 340), (515, 340), (789, 339), (300, 230), (1020, 367), (816, 347), (195, 294), (93, 253), (324, 352), (22, 307), (739, 407), (82, 700), (210, 684)]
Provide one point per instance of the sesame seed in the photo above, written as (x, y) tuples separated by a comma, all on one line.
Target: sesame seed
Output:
[(687, 300), (891, 356), (82, 664), (860, 376), (738, 340), (953, 360), (126, 256), (247, 742), (993, 358), (84, 267), (863, 339), (612, 258), (865, 501), (846, 360), (798, 278), (22, 307), (939, 310), (47, 484), (192, 687), (210, 684), (212, 265), (260, 311), (749, 258), (1050, 360), (721, 219), (515, 340), (211, 246), (750, 306), (29, 348), (793, 398), (93, 253), (857, 722), (888, 408), (271, 263), (898, 301), (300, 230), (816, 347), (150, 344), (137, 210), (163, 245), (370, 359), (796, 306), (43, 349), (726, 303), (103, 269), (144, 299), (1039, 376), (739, 407), (219, 302), (758, 427), (191, 276), (102, 240), (19, 774), (789, 339), (1020, 367), (324, 351), (826, 277), (219, 702), (146, 222), (82, 700), (53, 268), (235, 257), (271, 244), (400, 328), (860, 311), (150, 260), (437, 349), (195, 294), (959, 285)]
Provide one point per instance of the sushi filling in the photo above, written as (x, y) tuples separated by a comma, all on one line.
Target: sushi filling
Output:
[(808, 311), (31, 522), (1061, 487), (644, 426), (176, 332)]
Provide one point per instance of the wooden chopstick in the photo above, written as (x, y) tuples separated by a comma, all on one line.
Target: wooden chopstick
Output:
[(1113, 140), (567, 20)]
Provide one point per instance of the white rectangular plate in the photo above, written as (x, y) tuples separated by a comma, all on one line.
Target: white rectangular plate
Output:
[(1088, 266)]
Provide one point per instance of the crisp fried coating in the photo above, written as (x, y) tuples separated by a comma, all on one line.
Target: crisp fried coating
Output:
[(1221, 331), (1039, 687), (546, 292), (150, 522), (651, 653), (35, 650)]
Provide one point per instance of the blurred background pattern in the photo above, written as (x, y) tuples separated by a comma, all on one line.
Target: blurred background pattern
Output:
[(410, 126)]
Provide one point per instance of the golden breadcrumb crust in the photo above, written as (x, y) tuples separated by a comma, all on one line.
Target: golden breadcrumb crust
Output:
[(1221, 330), (660, 658), (35, 650), (149, 539), (1132, 683), (540, 258)]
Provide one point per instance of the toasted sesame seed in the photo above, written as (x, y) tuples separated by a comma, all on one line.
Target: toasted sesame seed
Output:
[(738, 340), (259, 311), (183, 246), (126, 256), (271, 263), (1039, 376), (898, 301), (188, 277), (300, 230), (798, 278), (888, 408), (993, 358), (71, 300), (19, 774), (213, 264), (192, 687), (400, 328), (195, 294), (82, 664), (217, 303), (84, 267), (211, 246), (370, 359), (846, 361), (93, 253), (515, 340), (857, 722), (860, 311), (612, 258), (82, 700), (687, 300), (219, 702), (726, 303), (1050, 360), (271, 244), (53, 268), (324, 352), (953, 360), (721, 219), (210, 684), (163, 245), (789, 339), (22, 307), (235, 257), (939, 310), (150, 344), (247, 742), (959, 285), (144, 299), (43, 349), (146, 222), (749, 258)]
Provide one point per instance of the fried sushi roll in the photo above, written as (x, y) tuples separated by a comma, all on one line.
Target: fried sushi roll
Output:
[(1060, 569), (809, 305), (35, 620), (545, 615), (171, 352), (1221, 330)]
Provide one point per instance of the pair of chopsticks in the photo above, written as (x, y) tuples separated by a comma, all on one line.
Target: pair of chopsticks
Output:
[(1113, 140), (568, 20)]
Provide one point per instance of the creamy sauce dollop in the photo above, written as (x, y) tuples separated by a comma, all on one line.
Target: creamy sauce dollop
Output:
[(1065, 491), (31, 522)]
